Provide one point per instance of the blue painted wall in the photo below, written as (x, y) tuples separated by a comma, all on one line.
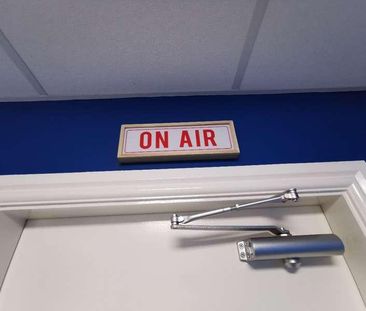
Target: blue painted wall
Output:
[(75, 136)]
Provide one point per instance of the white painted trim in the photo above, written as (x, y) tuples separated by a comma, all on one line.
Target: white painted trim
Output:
[(145, 187), (153, 191), (11, 228)]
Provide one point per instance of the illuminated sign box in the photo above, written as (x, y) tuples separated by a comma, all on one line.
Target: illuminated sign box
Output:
[(177, 141)]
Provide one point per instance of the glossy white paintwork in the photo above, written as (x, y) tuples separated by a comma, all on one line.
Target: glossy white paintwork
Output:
[(11, 227), (334, 186), (139, 263)]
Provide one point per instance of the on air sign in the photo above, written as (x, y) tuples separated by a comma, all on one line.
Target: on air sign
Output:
[(177, 141)]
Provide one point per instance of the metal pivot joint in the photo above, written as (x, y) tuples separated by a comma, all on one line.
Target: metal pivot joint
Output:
[(282, 245)]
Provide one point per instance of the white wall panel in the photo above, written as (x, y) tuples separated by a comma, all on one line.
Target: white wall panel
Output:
[(309, 44), (78, 47), (12, 82)]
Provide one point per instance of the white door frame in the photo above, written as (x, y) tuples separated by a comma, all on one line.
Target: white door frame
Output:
[(156, 191)]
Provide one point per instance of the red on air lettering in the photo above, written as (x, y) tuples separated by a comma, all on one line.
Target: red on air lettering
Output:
[(145, 140), (198, 139), (209, 135), (159, 139), (185, 139), (208, 138)]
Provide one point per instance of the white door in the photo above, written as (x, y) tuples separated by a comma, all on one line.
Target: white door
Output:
[(138, 263)]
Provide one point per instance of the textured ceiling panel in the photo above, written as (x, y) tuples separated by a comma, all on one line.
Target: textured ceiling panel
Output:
[(12, 82), (82, 47), (309, 45)]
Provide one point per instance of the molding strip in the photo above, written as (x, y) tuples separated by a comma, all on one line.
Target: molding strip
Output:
[(254, 26), (20, 64), (152, 191)]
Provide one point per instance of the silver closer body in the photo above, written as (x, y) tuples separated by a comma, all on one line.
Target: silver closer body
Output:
[(279, 247), (282, 245)]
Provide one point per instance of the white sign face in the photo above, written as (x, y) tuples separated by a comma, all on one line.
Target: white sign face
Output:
[(177, 141)]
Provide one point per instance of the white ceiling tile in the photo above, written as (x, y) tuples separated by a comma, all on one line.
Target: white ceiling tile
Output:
[(12, 82), (78, 47), (309, 44)]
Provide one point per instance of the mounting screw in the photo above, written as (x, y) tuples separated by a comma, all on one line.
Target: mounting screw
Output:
[(292, 264)]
